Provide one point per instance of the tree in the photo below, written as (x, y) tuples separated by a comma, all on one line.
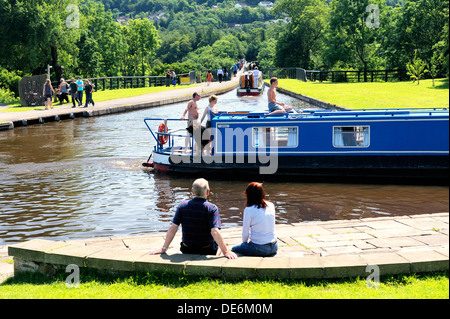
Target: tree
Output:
[(142, 38), (102, 44), (356, 32), (416, 69), (420, 25), (36, 31), (304, 32)]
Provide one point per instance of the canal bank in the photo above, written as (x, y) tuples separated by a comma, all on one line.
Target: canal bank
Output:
[(313, 250), (10, 120)]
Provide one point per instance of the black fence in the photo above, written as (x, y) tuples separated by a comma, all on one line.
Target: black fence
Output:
[(285, 73), (337, 76), (357, 76), (129, 82)]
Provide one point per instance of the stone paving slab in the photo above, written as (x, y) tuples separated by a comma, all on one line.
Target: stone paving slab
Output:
[(328, 249)]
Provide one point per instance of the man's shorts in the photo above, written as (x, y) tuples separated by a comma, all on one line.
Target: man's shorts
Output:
[(274, 107)]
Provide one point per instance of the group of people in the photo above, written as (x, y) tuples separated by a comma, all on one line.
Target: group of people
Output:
[(200, 221), (75, 89), (171, 78), (192, 117)]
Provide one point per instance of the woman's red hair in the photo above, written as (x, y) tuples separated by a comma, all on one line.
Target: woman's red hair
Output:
[(255, 195)]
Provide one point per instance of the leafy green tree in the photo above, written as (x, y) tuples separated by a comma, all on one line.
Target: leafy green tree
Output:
[(35, 32), (304, 33), (420, 25), (102, 45), (356, 33), (416, 69), (142, 38)]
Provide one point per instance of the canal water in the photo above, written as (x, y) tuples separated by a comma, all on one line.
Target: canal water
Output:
[(83, 178)]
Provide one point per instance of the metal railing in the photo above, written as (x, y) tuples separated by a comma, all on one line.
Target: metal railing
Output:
[(337, 76)]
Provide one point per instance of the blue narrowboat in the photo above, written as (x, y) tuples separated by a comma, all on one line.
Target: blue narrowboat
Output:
[(391, 145)]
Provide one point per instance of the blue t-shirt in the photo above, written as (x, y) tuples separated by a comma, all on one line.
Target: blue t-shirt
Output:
[(198, 217), (80, 88)]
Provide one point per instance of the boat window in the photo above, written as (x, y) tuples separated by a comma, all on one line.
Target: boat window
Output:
[(351, 136), (281, 137)]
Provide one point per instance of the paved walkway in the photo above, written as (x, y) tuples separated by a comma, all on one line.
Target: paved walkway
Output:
[(328, 249), (9, 119)]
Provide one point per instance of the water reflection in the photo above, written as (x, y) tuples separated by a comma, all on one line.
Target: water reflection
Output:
[(83, 178)]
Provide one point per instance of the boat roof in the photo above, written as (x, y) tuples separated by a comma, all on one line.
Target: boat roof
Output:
[(340, 114)]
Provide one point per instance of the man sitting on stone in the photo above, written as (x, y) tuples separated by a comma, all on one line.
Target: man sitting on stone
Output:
[(200, 225)]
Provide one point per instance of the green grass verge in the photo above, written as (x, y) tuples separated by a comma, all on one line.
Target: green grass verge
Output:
[(169, 286), (101, 96), (374, 95)]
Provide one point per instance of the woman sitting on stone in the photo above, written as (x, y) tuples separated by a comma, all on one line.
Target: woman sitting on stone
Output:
[(258, 230)]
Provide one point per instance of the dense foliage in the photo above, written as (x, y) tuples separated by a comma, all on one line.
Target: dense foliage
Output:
[(95, 38)]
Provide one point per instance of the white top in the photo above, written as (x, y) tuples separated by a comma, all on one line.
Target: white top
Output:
[(210, 112), (259, 224)]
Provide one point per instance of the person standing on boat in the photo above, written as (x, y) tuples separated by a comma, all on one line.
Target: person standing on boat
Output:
[(192, 113), (201, 225), (256, 77), (258, 228), (210, 111), (276, 107)]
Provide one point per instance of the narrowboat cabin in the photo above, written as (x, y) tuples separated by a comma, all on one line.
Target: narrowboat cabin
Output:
[(391, 145), (251, 83)]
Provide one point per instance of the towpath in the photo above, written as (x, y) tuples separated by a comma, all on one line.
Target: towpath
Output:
[(9, 120)]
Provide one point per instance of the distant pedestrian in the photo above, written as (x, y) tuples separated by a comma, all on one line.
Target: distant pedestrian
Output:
[(258, 226), (220, 74), (168, 77), (209, 78), (89, 88), (225, 74), (63, 91), (174, 78), (80, 91), (74, 92), (47, 93)]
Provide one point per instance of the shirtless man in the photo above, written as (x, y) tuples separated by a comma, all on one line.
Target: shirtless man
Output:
[(274, 106), (192, 112)]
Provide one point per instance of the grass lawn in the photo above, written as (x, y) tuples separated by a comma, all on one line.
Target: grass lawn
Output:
[(169, 286), (101, 96), (374, 95)]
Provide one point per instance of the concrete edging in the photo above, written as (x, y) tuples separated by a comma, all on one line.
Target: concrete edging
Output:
[(404, 245)]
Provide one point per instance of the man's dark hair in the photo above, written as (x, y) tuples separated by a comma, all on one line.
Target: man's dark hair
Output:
[(272, 80)]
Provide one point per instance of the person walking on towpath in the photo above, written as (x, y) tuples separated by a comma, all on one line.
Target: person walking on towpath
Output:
[(74, 92), (47, 93), (80, 91), (258, 226), (89, 88), (209, 78), (274, 106), (201, 225)]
